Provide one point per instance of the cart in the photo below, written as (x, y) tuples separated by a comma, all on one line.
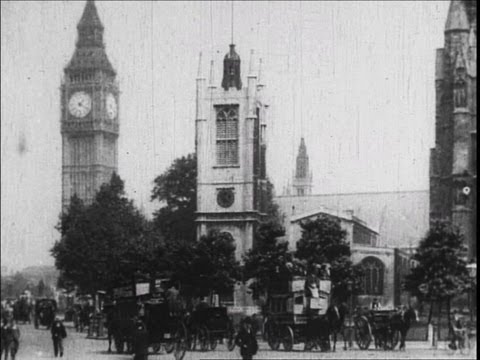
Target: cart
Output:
[(376, 325)]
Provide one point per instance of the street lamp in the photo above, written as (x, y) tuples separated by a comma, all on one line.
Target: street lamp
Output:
[(472, 272)]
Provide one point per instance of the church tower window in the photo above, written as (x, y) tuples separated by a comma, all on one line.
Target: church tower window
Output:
[(227, 135)]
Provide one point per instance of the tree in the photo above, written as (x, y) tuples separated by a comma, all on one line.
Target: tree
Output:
[(323, 241), (269, 261), (269, 206), (207, 266), (105, 243), (176, 189), (442, 272)]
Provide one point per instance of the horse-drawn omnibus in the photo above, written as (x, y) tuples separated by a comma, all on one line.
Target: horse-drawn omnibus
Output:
[(141, 301), (296, 312), (45, 310)]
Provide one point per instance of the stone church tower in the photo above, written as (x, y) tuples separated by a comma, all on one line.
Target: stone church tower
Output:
[(453, 161), (302, 181), (89, 108), (230, 147)]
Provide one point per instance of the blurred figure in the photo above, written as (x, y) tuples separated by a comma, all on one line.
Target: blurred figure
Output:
[(58, 334), (375, 304), (246, 340), (10, 339), (140, 344)]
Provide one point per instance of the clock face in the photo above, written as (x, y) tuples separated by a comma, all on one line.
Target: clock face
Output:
[(111, 106), (225, 198), (80, 104)]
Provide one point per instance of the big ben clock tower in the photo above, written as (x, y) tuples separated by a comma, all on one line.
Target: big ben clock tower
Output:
[(89, 108)]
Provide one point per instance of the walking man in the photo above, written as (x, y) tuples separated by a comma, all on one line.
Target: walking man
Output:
[(58, 334), (246, 340), (11, 339)]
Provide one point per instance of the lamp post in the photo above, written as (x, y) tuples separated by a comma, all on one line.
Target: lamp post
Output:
[(472, 272)]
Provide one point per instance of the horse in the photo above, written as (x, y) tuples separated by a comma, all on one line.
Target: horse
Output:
[(319, 328), (10, 339), (401, 322), (336, 322)]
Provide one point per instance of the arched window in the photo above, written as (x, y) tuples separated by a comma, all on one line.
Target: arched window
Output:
[(227, 135), (374, 273)]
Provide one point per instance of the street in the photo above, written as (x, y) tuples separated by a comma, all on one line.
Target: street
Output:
[(36, 344)]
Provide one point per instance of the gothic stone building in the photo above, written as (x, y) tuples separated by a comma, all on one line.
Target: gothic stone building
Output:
[(230, 147), (453, 169), (379, 228), (89, 113)]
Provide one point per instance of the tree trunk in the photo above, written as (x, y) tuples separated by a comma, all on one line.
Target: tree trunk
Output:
[(449, 322), (439, 317), (430, 312)]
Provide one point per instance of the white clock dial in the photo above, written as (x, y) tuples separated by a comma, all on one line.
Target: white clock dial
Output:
[(111, 106), (80, 104)]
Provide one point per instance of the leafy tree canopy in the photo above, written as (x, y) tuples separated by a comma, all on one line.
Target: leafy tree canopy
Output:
[(324, 241), (207, 266), (176, 189), (442, 269), (105, 243)]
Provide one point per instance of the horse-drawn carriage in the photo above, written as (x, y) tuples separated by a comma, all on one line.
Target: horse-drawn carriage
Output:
[(208, 326), (294, 315), (385, 327), (163, 326), (45, 310)]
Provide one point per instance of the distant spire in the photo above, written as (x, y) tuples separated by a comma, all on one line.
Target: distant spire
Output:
[(457, 18), (302, 168)]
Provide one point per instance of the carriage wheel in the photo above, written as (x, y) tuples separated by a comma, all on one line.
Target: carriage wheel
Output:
[(362, 334), (156, 347), (273, 337), (119, 345), (181, 342), (287, 338), (191, 340), (203, 338), (231, 338)]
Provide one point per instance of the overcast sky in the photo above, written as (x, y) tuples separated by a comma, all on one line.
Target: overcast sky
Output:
[(356, 79)]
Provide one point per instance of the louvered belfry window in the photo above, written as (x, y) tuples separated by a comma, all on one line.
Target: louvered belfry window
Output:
[(227, 134)]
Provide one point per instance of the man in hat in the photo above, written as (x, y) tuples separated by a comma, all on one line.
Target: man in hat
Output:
[(246, 340), (58, 334), (459, 331)]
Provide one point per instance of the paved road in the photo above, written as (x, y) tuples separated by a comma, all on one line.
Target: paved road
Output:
[(36, 344)]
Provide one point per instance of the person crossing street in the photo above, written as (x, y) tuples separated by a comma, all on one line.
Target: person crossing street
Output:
[(58, 334)]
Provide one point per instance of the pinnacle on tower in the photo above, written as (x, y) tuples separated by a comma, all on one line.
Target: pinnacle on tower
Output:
[(457, 19), (302, 161), (231, 70)]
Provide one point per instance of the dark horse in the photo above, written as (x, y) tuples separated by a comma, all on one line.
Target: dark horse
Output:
[(401, 322), (319, 329)]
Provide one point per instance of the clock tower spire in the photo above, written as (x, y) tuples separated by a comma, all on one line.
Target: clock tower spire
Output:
[(89, 113)]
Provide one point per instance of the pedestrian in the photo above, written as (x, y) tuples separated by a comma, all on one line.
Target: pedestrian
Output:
[(140, 344), (246, 340), (11, 339), (58, 334)]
